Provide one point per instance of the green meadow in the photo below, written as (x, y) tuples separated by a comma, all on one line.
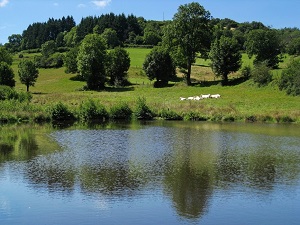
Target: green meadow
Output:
[(239, 102)]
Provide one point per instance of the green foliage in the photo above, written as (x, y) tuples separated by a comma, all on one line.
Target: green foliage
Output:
[(70, 60), (188, 34), (261, 74), (293, 48), (159, 65), (118, 64), (7, 93), (120, 111), (290, 78), (111, 38), (48, 48), (6, 75), (246, 72), (265, 45), (55, 60), (28, 73), (5, 56), (225, 56), (91, 61), (170, 115), (60, 112), (142, 111), (91, 110)]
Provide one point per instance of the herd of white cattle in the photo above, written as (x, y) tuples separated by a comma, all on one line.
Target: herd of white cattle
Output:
[(197, 98)]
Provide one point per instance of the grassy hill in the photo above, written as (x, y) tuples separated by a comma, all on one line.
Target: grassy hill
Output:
[(238, 102)]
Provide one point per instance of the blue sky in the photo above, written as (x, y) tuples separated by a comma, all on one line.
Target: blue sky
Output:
[(16, 15)]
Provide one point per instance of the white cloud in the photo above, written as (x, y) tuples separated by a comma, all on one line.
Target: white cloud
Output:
[(81, 6), (101, 3), (3, 3)]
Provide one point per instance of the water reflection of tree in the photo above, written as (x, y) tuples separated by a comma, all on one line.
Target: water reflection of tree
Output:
[(189, 180)]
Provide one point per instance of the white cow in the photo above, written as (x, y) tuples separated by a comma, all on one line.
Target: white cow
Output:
[(190, 98), (197, 98), (205, 96), (182, 98), (215, 96)]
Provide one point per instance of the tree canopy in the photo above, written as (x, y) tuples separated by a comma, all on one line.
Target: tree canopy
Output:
[(188, 34), (6, 75), (159, 65), (225, 56), (28, 73), (265, 45), (91, 61)]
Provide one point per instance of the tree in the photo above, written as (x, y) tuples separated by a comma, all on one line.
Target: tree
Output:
[(118, 64), (28, 73), (5, 56), (91, 61), (48, 48), (187, 35), (14, 42), (159, 65), (70, 60), (290, 78), (225, 56), (265, 45), (111, 38), (6, 75)]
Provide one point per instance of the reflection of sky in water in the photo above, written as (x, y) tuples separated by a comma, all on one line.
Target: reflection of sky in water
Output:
[(156, 175)]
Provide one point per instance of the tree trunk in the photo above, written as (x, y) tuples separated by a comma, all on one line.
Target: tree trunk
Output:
[(188, 75), (225, 79), (27, 86)]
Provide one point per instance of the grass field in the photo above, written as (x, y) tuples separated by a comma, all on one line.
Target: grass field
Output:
[(244, 100)]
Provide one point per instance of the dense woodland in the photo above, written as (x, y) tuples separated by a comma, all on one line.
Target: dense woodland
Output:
[(132, 30)]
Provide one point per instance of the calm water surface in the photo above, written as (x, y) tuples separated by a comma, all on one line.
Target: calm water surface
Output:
[(154, 173)]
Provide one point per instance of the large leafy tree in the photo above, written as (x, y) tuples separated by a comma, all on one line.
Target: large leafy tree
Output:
[(6, 75), (187, 35), (28, 73), (91, 61), (111, 38), (118, 64), (225, 57), (159, 65), (265, 45)]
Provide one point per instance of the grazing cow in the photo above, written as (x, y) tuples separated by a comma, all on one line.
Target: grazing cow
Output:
[(190, 98), (205, 96), (182, 98), (197, 98), (215, 96)]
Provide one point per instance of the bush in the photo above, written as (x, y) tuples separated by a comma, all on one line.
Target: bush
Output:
[(246, 72), (290, 79), (142, 111), (169, 115), (60, 112), (91, 110), (121, 111), (261, 74), (8, 93)]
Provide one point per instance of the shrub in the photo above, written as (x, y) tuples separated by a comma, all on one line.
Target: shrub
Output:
[(60, 112), (121, 111), (290, 79), (261, 74), (246, 72), (142, 111), (7, 93), (91, 110), (169, 115)]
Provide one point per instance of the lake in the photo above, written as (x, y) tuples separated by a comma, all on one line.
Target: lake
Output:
[(157, 172)]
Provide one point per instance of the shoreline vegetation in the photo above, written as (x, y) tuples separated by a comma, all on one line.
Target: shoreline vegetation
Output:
[(57, 97)]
